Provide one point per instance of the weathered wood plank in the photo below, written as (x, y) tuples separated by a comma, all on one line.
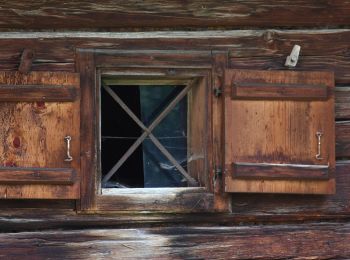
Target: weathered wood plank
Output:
[(342, 103), (340, 65), (158, 200), (41, 93), (278, 91), (26, 61), (116, 15), (287, 241), (280, 171), (342, 133), (10, 175), (86, 67)]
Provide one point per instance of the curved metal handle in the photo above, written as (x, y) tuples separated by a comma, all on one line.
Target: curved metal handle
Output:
[(318, 155), (69, 157)]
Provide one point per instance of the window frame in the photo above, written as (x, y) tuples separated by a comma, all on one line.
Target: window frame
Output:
[(168, 65)]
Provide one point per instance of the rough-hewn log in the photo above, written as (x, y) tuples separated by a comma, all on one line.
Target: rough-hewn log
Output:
[(304, 241), (266, 49), (117, 15)]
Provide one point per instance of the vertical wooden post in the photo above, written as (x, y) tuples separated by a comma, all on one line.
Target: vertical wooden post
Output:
[(222, 200), (86, 67)]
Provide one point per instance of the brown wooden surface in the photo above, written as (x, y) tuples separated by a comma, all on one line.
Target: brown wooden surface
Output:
[(197, 128), (26, 61), (118, 15), (32, 93), (32, 135), (280, 171), (222, 200), (9, 175), (166, 200), (284, 241), (86, 67), (278, 132), (279, 91), (251, 49)]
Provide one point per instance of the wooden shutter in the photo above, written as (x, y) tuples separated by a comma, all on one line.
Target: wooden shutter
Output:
[(271, 123), (37, 111)]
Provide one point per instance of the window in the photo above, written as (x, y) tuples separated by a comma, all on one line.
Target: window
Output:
[(146, 131), (145, 134)]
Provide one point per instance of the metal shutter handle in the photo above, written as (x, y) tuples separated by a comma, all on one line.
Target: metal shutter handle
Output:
[(318, 155), (69, 157)]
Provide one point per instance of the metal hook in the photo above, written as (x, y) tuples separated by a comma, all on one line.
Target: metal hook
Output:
[(69, 157), (318, 155), (292, 59)]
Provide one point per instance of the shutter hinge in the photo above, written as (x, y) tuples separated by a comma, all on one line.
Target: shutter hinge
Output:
[(218, 171), (217, 92)]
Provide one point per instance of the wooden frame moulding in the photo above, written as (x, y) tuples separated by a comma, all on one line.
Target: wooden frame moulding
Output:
[(143, 66)]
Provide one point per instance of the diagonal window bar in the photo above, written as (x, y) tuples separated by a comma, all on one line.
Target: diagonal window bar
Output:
[(147, 132)]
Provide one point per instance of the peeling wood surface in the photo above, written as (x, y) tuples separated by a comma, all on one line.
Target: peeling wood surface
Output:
[(118, 15), (304, 241)]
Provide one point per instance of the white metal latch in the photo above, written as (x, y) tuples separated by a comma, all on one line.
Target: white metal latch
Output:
[(292, 59)]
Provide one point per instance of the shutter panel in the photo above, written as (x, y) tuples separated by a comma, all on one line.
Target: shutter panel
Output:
[(271, 123), (37, 111)]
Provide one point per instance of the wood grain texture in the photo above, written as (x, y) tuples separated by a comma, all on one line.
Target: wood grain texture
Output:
[(264, 49), (63, 176), (41, 93), (197, 129), (342, 103), (222, 200), (342, 133), (26, 61), (117, 15), (296, 207), (86, 67), (32, 135), (157, 200), (284, 241), (278, 132), (280, 171), (279, 91)]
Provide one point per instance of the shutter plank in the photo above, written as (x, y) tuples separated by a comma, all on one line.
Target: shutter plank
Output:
[(32, 93), (279, 91), (64, 176), (280, 171)]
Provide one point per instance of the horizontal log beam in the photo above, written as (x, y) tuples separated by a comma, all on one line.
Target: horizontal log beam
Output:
[(157, 200), (117, 15), (284, 241)]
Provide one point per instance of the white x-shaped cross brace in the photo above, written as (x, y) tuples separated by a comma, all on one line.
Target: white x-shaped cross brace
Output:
[(148, 132)]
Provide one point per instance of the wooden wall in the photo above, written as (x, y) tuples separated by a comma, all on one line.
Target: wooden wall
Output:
[(257, 35), (249, 49)]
